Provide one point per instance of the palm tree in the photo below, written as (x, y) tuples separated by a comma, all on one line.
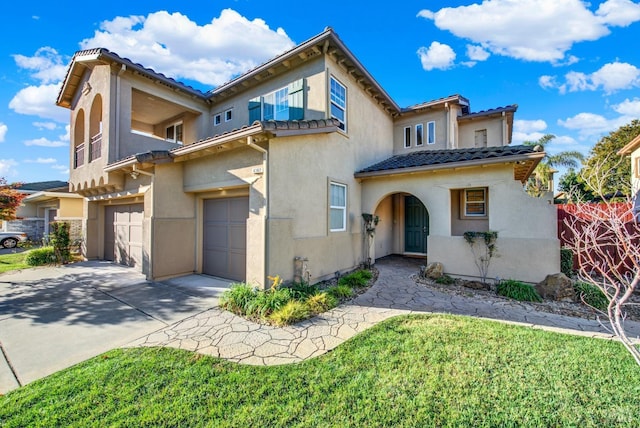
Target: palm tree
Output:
[(541, 180)]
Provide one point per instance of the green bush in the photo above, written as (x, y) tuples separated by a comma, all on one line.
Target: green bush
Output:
[(290, 313), (61, 241), (566, 261), (238, 298), (445, 279), (340, 291), (518, 290), (268, 301), (591, 295), (41, 256), (321, 302), (356, 279), (302, 290)]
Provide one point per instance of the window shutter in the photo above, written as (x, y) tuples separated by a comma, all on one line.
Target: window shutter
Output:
[(254, 110), (296, 100)]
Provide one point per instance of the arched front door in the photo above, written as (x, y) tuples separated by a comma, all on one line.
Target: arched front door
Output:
[(416, 225)]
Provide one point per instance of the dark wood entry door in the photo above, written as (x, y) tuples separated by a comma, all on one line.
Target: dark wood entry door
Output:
[(416, 225)]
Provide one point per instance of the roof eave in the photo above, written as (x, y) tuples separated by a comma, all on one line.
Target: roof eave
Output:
[(630, 147)]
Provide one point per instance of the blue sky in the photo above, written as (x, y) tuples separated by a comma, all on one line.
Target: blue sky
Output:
[(572, 67)]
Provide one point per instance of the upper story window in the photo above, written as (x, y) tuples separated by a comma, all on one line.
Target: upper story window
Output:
[(228, 115), (407, 137), (337, 207), (419, 135), (282, 104), (173, 133), (431, 132), (217, 119), (339, 103)]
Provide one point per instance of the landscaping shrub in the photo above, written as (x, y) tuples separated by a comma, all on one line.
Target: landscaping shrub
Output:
[(41, 256), (340, 291), (566, 261), (302, 290), (321, 302), (237, 298), (356, 279), (519, 291), (445, 279), (292, 312), (60, 239), (591, 295), (267, 301)]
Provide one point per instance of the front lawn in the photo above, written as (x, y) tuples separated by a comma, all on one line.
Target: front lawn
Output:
[(13, 261), (415, 371)]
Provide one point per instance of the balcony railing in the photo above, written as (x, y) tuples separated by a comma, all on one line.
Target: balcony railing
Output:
[(96, 147), (79, 156)]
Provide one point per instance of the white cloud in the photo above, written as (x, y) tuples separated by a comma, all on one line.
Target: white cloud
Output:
[(437, 56), (45, 125), (60, 167), (529, 125), (621, 13), (477, 53), (39, 101), (47, 65), (7, 168), (3, 131), (611, 77), (174, 45), (43, 142), (42, 160), (532, 30), (629, 108), (590, 125)]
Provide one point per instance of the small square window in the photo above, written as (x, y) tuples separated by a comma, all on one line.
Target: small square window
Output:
[(227, 115), (217, 119), (475, 202)]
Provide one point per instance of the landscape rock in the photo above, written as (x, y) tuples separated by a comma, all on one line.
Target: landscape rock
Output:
[(557, 287), (434, 270)]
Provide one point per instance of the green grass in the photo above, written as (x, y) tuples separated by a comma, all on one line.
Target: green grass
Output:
[(413, 371), (13, 261)]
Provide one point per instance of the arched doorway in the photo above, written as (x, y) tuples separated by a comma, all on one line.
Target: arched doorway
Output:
[(416, 225)]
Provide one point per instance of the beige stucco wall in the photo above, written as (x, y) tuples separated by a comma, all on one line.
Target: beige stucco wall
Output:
[(526, 226), (70, 207), (438, 116), (495, 131)]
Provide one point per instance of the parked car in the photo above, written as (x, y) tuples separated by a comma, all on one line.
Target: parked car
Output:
[(11, 239)]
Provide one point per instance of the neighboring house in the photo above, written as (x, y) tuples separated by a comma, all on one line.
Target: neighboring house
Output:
[(279, 164), (46, 201), (633, 149)]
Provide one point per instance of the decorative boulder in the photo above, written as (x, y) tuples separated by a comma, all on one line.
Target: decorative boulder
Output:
[(556, 287), (434, 270)]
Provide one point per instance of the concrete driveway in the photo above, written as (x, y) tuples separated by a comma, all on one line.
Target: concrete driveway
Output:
[(54, 317)]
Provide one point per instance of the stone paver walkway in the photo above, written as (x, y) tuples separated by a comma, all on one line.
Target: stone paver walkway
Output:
[(219, 333)]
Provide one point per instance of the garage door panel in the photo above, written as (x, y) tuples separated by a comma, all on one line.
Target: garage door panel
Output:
[(124, 234), (224, 237)]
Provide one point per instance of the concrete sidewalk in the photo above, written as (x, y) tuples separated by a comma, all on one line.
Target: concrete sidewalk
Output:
[(54, 317)]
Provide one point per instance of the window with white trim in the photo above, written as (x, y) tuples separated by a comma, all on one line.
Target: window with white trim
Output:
[(419, 135), (431, 132), (337, 207), (407, 137), (173, 133), (339, 102), (217, 119), (227, 115), (475, 202)]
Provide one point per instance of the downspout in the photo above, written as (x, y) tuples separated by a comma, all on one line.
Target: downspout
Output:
[(134, 175), (447, 136), (265, 164), (504, 129)]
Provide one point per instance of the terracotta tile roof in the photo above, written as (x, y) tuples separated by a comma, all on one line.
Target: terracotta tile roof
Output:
[(426, 158)]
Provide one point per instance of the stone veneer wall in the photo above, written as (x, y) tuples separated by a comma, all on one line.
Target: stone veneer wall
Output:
[(33, 227)]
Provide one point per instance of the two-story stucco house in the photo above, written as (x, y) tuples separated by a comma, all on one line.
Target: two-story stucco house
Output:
[(279, 165)]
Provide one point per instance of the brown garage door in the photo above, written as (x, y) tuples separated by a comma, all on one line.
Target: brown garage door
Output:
[(123, 234), (225, 237)]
